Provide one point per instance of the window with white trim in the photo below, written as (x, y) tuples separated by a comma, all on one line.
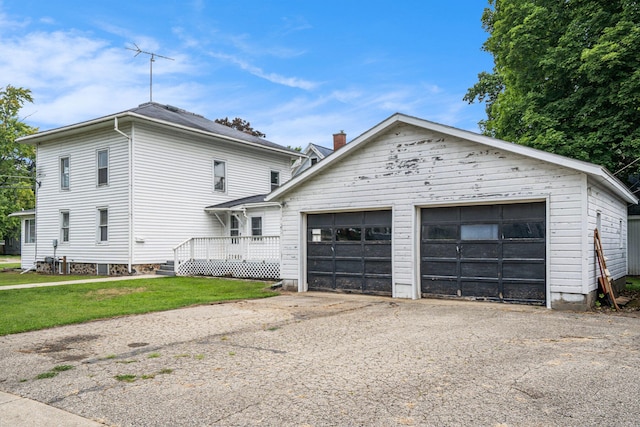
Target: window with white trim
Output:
[(103, 167), (64, 226), (275, 180), (256, 226), (219, 176), (64, 173), (103, 225), (29, 230)]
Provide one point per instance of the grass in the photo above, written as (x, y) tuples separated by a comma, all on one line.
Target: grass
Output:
[(633, 283), (8, 278), (38, 308)]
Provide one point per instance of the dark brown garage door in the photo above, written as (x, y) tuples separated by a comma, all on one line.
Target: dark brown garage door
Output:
[(492, 252), (349, 252)]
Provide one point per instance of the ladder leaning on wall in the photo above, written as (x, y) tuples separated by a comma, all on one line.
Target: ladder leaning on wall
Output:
[(605, 277)]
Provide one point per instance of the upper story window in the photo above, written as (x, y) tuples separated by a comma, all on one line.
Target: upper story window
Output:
[(275, 180), (64, 226), (219, 176), (103, 225), (64, 173), (29, 230), (103, 167)]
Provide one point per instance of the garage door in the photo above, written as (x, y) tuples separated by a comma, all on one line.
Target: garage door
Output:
[(349, 252), (492, 252)]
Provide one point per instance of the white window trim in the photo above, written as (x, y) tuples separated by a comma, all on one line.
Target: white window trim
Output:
[(29, 234), (99, 225), (60, 187), (271, 187), (62, 241), (98, 167), (261, 225), (225, 177)]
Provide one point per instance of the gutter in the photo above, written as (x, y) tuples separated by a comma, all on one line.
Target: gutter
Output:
[(130, 191)]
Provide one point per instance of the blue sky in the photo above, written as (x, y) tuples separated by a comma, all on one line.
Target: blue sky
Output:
[(299, 71)]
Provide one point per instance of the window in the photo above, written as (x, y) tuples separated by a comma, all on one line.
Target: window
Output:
[(275, 180), (29, 230), (256, 226), (219, 176), (64, 173), (103, 167), (314, 160), (64, 226), (103, 225), (234, 229), (234, 226)]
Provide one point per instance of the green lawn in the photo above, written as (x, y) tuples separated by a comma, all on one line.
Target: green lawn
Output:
[(633, 283), (15, 278), (30, 309)]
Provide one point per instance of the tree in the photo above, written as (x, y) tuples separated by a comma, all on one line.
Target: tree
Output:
[(241, 125), (566, 78), (17, 161)]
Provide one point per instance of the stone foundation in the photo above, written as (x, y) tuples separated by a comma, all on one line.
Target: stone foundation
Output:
[(91, 269), (573, 302), (290, 285)]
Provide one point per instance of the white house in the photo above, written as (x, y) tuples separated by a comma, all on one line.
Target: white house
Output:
[(28, 236), (412, 208), (315, 153), (117, 194)]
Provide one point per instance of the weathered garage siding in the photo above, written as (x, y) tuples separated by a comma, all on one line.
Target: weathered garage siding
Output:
[(613, 232), (409, 167)]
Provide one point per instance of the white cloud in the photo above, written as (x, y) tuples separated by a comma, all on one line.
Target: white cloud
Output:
[(258, 72)]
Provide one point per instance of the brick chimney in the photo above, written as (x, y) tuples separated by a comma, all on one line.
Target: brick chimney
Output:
[(339, 140)]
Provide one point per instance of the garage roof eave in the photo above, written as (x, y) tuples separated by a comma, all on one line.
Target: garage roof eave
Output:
[(596, 171)]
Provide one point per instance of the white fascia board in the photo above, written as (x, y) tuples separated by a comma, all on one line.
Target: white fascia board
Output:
[(244, 207), (22, 214), (598, 172)]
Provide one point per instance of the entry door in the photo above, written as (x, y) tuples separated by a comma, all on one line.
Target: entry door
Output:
[(494, 252), (349, 252)]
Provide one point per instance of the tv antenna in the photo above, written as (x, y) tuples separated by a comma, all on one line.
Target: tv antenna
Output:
[(152, 59)]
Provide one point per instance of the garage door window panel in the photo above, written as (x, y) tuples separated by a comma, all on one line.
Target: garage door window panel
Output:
[(523, 230), (479, 232), (441, 232), (351, 234), (374, 234)]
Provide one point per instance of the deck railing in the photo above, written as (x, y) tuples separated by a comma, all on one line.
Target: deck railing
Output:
[(241, 256)]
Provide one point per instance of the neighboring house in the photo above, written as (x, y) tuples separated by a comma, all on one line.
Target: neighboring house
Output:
[(414, 209), (314, 154), (28, 235), (117, 194)]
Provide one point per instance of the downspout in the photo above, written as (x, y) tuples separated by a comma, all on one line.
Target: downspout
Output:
[(35, 218), (130, 191)]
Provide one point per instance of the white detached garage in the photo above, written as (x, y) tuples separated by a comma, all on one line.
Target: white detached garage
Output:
[(416, 209)]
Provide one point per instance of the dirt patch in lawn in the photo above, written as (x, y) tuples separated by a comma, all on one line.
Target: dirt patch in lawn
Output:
[(102, 294)]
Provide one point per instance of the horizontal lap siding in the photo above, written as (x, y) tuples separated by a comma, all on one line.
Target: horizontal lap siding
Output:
[(408, 166), (174, 184), (83, 198), (613, 232)]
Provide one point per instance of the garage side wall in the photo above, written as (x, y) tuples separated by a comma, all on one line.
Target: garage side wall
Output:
[(409, 167), (613, 232)]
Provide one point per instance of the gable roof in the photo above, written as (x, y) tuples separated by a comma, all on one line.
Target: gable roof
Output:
[(597, 172), (321, 151), (171, 116)]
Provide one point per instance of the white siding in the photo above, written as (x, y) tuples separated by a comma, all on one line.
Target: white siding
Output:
[(83, 198), (27, 250), (613, 232), (633, 242), (173, 183), (407, 168)]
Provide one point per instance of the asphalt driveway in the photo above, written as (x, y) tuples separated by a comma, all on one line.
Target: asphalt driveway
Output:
[(328, 359)]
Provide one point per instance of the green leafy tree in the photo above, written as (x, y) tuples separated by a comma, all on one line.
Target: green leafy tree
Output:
[(241, 125), (17, 161), (566, 78)]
